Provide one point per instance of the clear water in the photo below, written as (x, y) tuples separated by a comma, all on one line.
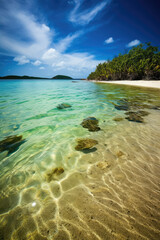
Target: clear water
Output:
[(28, 108)]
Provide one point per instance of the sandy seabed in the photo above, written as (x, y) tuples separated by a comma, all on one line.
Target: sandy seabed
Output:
[(113, 194), (140, 83)]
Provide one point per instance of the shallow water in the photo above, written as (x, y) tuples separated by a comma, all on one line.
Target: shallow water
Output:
[(112, 192)]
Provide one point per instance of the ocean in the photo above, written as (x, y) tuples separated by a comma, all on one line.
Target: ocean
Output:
[(51, 190)]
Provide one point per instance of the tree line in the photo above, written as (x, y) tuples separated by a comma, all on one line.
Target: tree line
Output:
[(141, 62)]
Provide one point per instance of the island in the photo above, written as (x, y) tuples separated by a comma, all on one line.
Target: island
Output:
[(21, 77), (31, 77), (61, 77)]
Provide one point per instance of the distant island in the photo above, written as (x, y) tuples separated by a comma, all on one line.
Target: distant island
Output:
[(30, 77), (61, 77), (140, 63), (21, 77)]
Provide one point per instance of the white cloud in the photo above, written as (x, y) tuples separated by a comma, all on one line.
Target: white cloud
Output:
[(49, 54), (28, 40), (133, 43), (86, 16), (109, 40), (37, 63), (64, 43), (21, 60), (74, 61), (16, 20)]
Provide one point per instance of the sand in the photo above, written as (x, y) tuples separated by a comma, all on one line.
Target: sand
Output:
[(140, 83)]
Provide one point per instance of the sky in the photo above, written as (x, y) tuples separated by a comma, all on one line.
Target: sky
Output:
[(71, 37)]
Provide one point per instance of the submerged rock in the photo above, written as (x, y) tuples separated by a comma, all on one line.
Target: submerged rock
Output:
[(135, 117), (119, 154), (118, 119), (130, 104), (91, 123), (140, 113), (122, 107), (54, 173), (63, 105), (11, 143), (85, 143), (103, 165)]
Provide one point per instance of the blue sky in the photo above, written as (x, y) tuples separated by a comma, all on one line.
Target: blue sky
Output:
[(70, 37)]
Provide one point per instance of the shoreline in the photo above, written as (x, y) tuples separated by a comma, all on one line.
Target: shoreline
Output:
[(138, 83)]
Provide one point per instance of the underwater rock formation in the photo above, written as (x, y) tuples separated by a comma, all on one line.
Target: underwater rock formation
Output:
[(91, 123), (85, 143), (52, 175), (103, 165), (11, 143), (63, 105), (119, 154), (129, 105), (118, 119), (140, 113), (135, 117)]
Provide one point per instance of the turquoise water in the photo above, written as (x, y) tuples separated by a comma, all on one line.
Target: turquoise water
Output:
[(29, 108)]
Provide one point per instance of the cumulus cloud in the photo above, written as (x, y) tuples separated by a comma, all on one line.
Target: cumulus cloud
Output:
[(30, 40), (109, 40), (37, 63), (36, 36), (133, 43), (86, 16), (21, 60), (72, 61)]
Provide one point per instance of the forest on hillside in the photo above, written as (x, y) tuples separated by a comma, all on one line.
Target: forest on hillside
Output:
[(141, 62)]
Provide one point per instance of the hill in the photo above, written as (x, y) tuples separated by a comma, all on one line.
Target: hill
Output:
[(20, 77), (61, 77)]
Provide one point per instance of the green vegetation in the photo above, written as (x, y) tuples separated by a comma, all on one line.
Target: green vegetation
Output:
[(20, 77), (141, 62), (61, 77)]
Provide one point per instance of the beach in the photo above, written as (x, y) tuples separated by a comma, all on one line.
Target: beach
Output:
[(138, 83)]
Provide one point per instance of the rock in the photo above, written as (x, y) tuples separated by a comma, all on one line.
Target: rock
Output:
[(119, 154), (91, 123), (103, 165), (54, 173), (122, 107), (118, 119), (85, 143), (63, 105), (130, 104), (140, 113), (11, 143), (135, 117), (155, 107)]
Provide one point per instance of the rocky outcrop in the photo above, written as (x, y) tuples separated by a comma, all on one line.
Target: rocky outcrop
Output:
[(11, 143), (86, 143), (91, 123), (63, 105)]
